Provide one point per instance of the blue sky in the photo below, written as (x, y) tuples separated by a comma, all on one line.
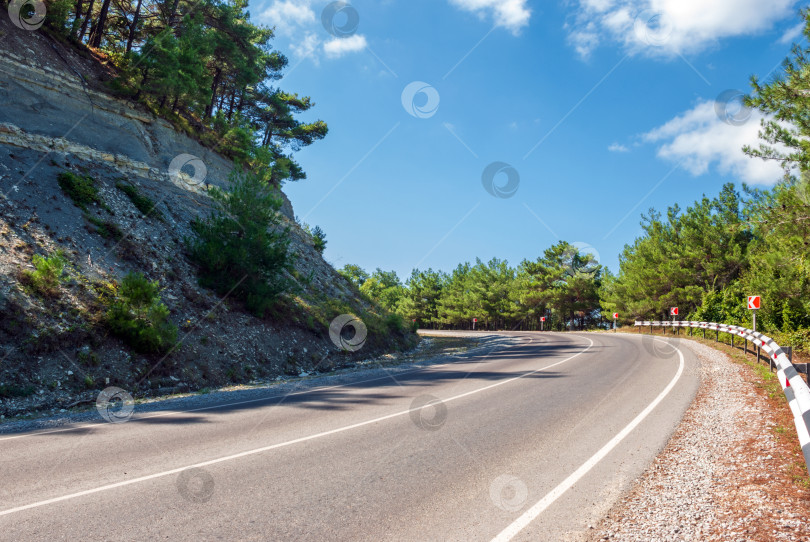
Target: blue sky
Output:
[(598, 109)]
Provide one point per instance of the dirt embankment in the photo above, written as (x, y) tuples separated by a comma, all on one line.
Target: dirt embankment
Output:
[(56, 351)]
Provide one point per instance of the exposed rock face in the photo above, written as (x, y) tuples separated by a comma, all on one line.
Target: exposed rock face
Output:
[(54, 352)]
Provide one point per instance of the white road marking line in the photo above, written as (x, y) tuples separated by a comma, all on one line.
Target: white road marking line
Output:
[(278, 445), (161, 414), (532, 513)]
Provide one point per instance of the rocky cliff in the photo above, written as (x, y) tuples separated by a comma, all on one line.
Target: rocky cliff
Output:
[(56, 117)]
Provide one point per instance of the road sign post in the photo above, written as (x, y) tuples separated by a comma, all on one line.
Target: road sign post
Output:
[(754, 304), (673, 311), (615, 318), (474, 321), (542, 322)]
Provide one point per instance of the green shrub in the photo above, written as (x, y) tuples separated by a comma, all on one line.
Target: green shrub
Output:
[(10, 390), (106, 229), (144, 204), (80, 188), (319, 239), (240, 249), (48, 273), (395, 323), (140, 318), (57, 14)]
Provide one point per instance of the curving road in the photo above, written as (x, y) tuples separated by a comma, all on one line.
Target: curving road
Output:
[(532, 440)]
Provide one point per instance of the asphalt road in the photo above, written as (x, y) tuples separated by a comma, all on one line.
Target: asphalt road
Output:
[(532, 441)]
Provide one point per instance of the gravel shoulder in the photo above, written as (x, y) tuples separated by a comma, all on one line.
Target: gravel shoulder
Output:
[(733, 469)]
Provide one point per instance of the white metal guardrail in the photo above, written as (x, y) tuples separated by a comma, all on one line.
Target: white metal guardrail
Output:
[(796, 390)]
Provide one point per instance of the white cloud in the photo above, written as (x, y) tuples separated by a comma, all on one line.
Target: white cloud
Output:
[(669, 27), (307, 46), (337, 47), (791, 34), (617, 147), (288, 15), (297, 20), (698, 139), (510, 14)]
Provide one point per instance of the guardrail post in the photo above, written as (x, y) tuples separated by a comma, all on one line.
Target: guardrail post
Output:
[(745, 347), (732, 340), (704, 332), (716, 335)]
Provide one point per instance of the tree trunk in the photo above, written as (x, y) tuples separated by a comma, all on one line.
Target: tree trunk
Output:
[(173, 22), (75, 30), (86, 21), (209, 109), (230, 106), (134, 27), (98, 28), (241, 100)]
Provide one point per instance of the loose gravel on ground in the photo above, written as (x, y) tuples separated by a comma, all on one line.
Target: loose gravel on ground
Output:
[(726, 474)]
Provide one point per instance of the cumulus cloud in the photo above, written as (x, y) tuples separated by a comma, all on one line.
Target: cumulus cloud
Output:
[(700, 140), (510, 14), (337, 47), (669, 27), (617, 147), (288, 15), (297, 21)]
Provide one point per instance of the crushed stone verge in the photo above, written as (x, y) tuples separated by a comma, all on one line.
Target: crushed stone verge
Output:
[(727, 472)]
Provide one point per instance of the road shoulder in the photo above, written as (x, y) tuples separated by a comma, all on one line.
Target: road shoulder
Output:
[(729, 472)]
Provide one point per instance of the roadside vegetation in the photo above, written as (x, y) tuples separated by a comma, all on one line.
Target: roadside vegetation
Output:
[(47, 275), (139, 317), (204, 66), (241, 249), (145, 205), (561, 286)]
